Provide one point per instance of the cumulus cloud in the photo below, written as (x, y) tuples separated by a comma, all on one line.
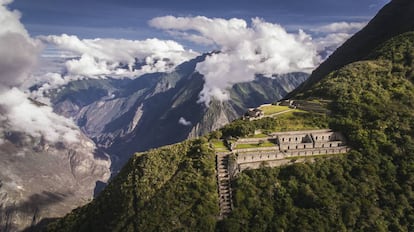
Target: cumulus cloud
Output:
[(17, 112), (245, 50), (18, 51), (38, 121), (184, 122), (119, 57), (333, 35)]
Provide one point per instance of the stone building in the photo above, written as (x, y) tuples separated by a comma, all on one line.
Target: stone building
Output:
[(254, 113), (289, 145), (327, 139), (294, 140)]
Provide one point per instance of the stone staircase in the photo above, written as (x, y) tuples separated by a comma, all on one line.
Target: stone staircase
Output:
[(224, 187)]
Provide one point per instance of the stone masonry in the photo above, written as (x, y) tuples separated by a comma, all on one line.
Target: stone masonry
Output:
[(292, 144), (288, 147), (224, 185)]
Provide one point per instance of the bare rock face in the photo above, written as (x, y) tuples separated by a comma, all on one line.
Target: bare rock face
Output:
[(41, 180)]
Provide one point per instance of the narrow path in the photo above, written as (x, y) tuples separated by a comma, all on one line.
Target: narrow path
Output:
[(223, 183)]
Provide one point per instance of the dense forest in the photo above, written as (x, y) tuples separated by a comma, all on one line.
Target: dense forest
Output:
[(370, 189), (171, 188)]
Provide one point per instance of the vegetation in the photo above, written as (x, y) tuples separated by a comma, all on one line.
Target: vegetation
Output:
[(219, 145), (293, 120), (258, 136), (371, 189), (255, 145), (273, 109), (171, 188)]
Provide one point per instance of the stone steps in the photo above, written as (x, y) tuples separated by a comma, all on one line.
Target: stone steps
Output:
[(224, 188)]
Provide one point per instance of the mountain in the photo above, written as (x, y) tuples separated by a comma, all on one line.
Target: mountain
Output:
[(371, 101), (385, 25), (125, 116), (40, 180)]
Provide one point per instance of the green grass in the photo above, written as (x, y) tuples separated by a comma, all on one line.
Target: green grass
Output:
[(259, 136), (256, 145), (269, 110), (219, 145), (300, 120)]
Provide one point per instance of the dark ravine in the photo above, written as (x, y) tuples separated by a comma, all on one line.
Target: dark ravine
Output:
[(126, 116)]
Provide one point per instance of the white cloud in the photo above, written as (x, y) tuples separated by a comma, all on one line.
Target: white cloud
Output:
[(341, 27), (38, 121), (184, 122), (18, 51), (19, 54), (333, 35), (245, 50), (102, 57)]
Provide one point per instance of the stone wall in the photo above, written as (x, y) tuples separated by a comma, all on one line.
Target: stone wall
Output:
[(289, 145), (274, 148), (256, 158)]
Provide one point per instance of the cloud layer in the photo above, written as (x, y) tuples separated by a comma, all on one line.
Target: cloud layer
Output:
[(245, 50), (38, 121), (18, 51), (119, 57), (17, 112)]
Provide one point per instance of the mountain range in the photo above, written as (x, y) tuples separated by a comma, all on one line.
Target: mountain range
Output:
[(116, 117), (126, 116), (42, 179), (368, 84)]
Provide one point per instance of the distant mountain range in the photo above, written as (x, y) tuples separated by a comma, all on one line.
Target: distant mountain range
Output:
[(369, 85), (126, 116)]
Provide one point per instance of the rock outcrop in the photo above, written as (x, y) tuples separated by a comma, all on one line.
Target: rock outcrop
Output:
[(40, 180)]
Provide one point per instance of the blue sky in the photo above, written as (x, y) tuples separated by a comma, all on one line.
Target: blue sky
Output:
[(129, 18)]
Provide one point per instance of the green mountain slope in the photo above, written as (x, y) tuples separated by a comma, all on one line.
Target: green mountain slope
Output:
[(170, 188), (370, 189), (395, 18)]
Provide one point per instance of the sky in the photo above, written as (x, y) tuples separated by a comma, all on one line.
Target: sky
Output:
[(128, 19), (54, 42)]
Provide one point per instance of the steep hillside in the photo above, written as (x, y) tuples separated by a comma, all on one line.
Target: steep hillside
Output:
[(395, 18), (370, 189), (125, 116), (40, 179), (170, 188)]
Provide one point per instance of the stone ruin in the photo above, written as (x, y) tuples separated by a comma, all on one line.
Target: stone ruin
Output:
[(288, 145)]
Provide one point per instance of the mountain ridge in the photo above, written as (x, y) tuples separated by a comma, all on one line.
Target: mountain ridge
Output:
[(370, 189), (385, 25), (125, 116)]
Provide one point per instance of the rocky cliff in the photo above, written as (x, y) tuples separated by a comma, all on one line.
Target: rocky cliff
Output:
[(125, 116), (40, 180)]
